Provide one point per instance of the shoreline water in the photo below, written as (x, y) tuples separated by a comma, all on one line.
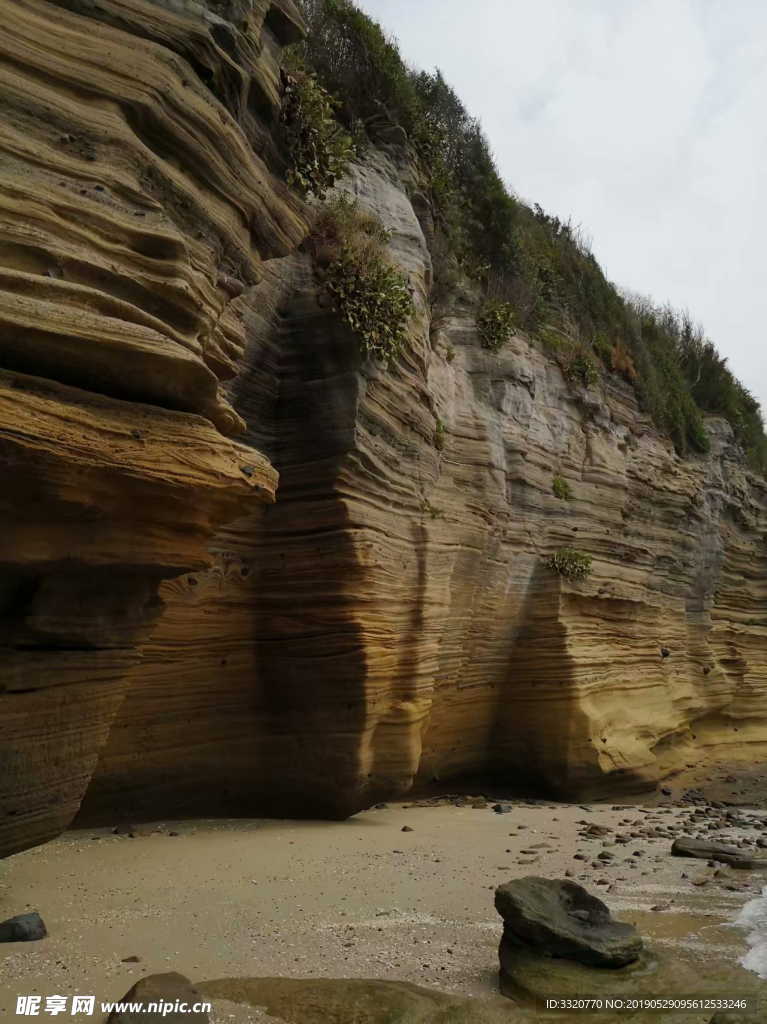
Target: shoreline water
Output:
[(753, 920)]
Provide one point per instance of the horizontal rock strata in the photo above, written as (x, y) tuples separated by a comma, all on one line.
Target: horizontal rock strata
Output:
[(391, 622), (141, 191)]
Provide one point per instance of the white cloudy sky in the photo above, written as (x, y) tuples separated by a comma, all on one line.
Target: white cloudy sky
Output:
[(643, 120)]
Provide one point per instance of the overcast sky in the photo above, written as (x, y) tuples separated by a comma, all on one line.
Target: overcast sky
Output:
[(645, 121)]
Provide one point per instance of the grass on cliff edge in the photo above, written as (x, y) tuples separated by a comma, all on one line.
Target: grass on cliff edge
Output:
[(521, 255)]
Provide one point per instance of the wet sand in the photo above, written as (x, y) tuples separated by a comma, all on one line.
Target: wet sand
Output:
[(353, 899)]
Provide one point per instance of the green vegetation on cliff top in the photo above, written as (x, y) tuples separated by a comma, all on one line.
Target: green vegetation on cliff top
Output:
[(522, 257)]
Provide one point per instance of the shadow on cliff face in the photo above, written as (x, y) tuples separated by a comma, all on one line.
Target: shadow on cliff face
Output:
[(308, 698), (251, 696), (67, 641), (309, 694), (541, 740)]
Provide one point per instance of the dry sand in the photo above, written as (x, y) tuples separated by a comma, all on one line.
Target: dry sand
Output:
[(359, 898)]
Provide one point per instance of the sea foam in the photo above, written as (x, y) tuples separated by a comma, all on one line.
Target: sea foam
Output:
[(753, 917)]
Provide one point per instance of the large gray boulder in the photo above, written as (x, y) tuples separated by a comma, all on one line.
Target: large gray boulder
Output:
[(559, 918)]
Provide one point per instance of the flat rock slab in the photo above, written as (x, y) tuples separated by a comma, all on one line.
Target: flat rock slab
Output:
[(23, 928), (559, 918), (703, 850), (357, 1001), (162, 989)]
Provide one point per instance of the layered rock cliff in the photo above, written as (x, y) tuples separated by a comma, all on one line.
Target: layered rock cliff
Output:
[(390, 621), (136, 201)]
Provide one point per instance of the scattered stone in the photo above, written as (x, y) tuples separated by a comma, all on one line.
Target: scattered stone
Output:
[(174, 833), (407, 828), (23, 928), (597, 830), (381, 807), (131, 960), (666, 791), (501, 808)]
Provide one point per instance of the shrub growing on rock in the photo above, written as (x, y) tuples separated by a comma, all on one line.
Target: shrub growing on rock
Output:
[(373, 298), (622, 363), (561, 488), (495, 325), (581, 369), (320, 148), (577, 363), (570, 563), (369, 293)]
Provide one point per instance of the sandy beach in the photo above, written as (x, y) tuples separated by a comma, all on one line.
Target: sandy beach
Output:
[(355, 899)]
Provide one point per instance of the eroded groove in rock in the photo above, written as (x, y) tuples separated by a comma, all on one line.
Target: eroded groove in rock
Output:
[(141, 192), (391, 622)]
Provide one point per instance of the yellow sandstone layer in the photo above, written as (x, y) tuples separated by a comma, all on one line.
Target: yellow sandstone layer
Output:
[(141, 191)]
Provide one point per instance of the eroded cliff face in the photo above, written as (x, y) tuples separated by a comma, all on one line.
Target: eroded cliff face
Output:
[(390, 621), (138, 201)]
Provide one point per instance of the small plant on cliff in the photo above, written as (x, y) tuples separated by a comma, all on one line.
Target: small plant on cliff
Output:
[(440, 435), (320, 148), (578, 365), (561, 488), (428, 509), (622, 363), (582, 369), (570, 563), (349, 248), (374, 299), (450, 354), (495, 325)]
